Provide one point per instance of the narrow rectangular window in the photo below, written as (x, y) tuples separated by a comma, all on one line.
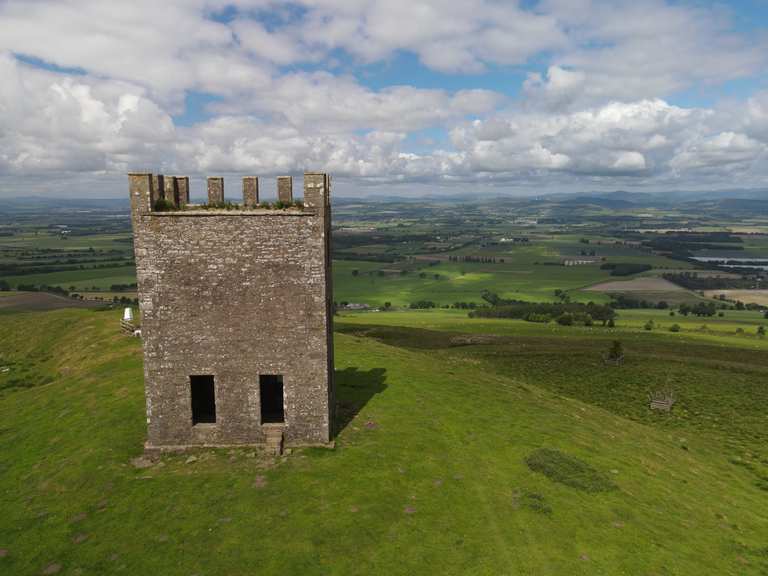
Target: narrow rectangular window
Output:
[(203, 399), (271, 394)]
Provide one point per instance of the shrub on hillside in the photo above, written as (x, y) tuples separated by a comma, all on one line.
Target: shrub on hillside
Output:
[(616, 352), (568, 470)]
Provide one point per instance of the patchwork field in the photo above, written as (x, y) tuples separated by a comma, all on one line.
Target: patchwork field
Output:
[(461, 282), (643, 284), (39, 301), (746, 296), (482, 447)]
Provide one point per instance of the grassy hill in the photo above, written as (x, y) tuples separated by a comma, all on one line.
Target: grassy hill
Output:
[(456, 456)]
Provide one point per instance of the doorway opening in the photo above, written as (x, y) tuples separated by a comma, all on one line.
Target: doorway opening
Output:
[(271, 394), (203, 399)]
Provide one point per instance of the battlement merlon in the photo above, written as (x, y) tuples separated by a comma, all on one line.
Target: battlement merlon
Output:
[(141, 187), (285, 189), (250, 191), (317, 191), (216, 190)]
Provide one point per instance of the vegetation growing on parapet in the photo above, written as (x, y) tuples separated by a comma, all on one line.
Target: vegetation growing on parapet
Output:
[(163, 205), (261, 206), (222, 206)]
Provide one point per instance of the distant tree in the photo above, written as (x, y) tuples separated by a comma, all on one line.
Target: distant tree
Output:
[(765, 315), (4, 286), (355, 272), (650, 325), (739, 305), (490, 297), (611, 323), (565, 319), (761, 331), (674, 328)]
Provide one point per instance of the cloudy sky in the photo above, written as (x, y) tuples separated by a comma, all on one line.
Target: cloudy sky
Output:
[(403, 96)]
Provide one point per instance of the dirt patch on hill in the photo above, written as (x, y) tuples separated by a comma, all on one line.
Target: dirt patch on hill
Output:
[(746, 296), (637, 285), (43, 301)]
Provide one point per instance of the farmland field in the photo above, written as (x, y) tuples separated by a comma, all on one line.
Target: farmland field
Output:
[(637, 285), (755, 296)]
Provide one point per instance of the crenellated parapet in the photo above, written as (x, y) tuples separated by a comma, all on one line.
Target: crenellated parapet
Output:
[(155, 193)]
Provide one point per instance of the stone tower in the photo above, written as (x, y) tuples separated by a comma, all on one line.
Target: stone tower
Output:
[(236, 313)]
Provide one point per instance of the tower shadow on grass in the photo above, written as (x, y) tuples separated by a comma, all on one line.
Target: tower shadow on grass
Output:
[(354, 388)]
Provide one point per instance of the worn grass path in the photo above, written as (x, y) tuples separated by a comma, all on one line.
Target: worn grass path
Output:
[(428, 476)]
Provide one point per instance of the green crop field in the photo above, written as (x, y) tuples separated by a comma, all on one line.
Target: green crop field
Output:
[(466, 447), (100, 278), (464, 282)]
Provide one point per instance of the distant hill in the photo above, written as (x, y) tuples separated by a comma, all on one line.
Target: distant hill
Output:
[(744, 204), (602, 201)]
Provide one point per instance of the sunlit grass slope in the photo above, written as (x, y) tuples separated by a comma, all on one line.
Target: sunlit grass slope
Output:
[(442, 467)]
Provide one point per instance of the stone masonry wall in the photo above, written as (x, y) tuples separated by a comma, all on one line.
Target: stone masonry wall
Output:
[(235, 294)]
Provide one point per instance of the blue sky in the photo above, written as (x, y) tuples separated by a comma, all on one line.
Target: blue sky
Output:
[(418, 95)]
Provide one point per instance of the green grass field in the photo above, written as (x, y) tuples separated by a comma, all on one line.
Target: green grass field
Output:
[(464, 282), (102, 278), (520, 453)]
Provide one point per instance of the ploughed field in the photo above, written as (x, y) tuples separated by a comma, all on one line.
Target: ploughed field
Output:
[(466, 447)]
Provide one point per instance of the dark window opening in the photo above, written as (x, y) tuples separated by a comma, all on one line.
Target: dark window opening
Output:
[(271, 394), (203, 399)]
